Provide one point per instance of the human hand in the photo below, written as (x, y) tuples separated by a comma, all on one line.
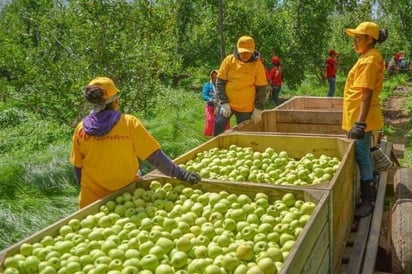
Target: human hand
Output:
[(190, 177), (256, 115), (357, 131), (225, 110)]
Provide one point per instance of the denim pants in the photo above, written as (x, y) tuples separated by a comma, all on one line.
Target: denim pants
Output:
[(221, 121), (275, 94), (332, 86), (364, 158)]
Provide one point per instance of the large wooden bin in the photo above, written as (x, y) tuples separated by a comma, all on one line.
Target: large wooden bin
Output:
[(300, 114), (341, 186), (302, 258)]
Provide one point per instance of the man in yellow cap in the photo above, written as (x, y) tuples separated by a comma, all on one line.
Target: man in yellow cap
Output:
[(241, 85), (107, 145), (361, 105)]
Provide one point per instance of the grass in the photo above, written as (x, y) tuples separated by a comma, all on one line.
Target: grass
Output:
[(37, 183)]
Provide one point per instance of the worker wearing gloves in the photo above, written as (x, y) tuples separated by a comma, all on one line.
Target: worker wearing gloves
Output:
[(107, 145), (241, 85), (362, 112)]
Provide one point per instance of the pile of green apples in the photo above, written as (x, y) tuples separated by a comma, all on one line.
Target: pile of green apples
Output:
[(243, 164), (171, 228)]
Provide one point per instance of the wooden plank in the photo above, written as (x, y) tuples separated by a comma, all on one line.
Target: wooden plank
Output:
[(358, 252), (374, 233), (308, 128), (309, 117)]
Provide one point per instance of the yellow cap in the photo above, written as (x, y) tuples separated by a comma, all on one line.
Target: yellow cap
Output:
[(245, 44), (365, 28), (107, 85)]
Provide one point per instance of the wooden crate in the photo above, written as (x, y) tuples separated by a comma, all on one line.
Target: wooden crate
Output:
[(341, 187), (300, 114), (301, 259)]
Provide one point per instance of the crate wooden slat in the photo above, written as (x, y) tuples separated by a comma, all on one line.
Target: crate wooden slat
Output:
[(300, 114)]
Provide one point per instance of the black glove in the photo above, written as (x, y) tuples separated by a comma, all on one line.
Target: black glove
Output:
[(357, 131), (190, 177)]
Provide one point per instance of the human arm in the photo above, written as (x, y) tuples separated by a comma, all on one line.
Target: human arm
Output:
[(221, 91), (78, 173), (160, 160), (206, 92), (358, 129)]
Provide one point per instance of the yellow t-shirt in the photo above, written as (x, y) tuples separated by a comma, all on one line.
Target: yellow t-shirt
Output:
[(242, 79), (109, 162), (368, 72)]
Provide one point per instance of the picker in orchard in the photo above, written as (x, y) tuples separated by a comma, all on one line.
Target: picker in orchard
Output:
[(107, 144), (361, 105), (241, 85), (209, 96), (330, 72), (275, 79)]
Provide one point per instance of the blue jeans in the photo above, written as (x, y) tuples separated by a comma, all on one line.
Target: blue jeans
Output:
[(221, 121), (275, 94), (364, 158), (332, 86)]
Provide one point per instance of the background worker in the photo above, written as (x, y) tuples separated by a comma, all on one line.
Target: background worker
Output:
[(275, 79), (106, 146), (241, 85), (330, 72), (209, 96), (361, 105)]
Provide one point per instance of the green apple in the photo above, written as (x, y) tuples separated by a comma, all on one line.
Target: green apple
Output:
[(145, 247), (287, 246), (197, 266), (201, 251), (289, 199), (73, 267), (285, 237), (164, 269), (26, 249), (245, 251), (130, 269), (116, 253), (179, 259), (116, 264), (267, 265), (149, 262), (230, 261)]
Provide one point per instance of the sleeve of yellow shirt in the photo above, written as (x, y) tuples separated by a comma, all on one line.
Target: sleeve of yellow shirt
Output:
[(143, 142), (75, 156)]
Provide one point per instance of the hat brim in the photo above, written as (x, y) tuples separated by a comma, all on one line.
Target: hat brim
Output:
[(241, 50), (352, 32)]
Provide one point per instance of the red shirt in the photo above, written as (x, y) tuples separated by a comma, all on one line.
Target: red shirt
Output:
[(275, 76), (330, 67)]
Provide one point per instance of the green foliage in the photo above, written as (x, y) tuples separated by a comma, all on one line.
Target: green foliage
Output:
[(27, 135)]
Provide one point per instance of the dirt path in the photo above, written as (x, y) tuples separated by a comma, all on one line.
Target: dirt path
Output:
[(397, 116)]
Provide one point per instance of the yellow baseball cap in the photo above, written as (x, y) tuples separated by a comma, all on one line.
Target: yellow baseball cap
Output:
[(365, 28), (107, 85), (245, 44)]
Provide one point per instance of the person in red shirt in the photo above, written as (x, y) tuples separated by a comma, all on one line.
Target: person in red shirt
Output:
[(330, 72), (275, 79)]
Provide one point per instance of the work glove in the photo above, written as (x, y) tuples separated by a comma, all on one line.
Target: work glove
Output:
[(190, 177), (256, 115), (225, 110), (357, 131)]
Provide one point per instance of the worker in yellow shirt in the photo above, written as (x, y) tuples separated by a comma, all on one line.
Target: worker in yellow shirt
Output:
[(240, 86), (361, 105), (107, 145)]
